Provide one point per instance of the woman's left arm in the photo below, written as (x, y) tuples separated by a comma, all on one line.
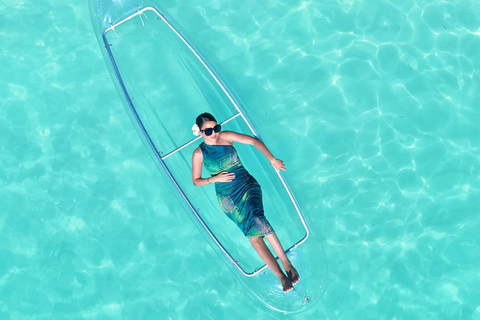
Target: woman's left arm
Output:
[(242, 138)]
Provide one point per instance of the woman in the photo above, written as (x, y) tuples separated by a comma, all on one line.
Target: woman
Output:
[(238, 193)]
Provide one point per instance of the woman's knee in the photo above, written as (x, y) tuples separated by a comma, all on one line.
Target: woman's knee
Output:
[(256, 240)]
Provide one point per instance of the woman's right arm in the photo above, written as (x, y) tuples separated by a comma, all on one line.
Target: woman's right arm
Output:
[(197, 162)]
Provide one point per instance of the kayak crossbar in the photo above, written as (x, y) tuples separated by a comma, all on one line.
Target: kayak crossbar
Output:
[(195, 139)]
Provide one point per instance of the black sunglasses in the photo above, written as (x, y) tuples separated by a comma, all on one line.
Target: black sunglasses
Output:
[(209, 131)]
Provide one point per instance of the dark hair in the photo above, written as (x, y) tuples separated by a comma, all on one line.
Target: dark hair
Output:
[(204, 117)]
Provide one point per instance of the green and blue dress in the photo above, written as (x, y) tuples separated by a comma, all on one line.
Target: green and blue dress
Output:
[(240, 199)]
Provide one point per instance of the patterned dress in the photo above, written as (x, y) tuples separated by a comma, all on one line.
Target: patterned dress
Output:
[(240, 199)]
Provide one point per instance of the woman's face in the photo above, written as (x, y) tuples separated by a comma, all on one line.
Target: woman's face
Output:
[(206, 125)]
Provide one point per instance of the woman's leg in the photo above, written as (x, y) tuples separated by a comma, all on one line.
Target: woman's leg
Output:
[(287, 265), (267, 257)]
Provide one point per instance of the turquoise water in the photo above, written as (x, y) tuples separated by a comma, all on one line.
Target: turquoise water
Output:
[(372, 105)]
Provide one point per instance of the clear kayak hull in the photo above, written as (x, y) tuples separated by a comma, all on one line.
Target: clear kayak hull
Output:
[(165, 82)]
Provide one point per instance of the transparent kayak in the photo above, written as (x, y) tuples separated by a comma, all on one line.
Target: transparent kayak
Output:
[(165, 82)]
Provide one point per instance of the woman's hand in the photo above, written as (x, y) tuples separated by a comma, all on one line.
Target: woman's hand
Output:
[(278, 164), (224, 176)]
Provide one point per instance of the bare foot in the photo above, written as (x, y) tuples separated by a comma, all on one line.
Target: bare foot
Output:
[(286, 284), (292, 274)]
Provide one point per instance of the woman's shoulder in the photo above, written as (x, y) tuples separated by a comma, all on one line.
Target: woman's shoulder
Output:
[(225, 138), (225, 134), (232, 136), (197, 152)]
